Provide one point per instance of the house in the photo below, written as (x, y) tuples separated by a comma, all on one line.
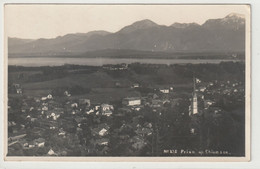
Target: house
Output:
[(51, 152), (24, 143), (19, 91), (131, 101), (90, 111), (101, 130), (107, 113), (106, 109), (54, 116), (52, 128), (208, 103), (17, 88), (39, 142), (135, 85), (97, 107), (74, 105), (45, 104), (61, 132), (44, 108), (31, 145), (49, 96), (164, 90), (192, 130), (11, 123), (136, 108), (44, 98), (202, 88), (66, 93)]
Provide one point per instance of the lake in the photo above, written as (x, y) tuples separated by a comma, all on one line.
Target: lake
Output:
[(35, 62)]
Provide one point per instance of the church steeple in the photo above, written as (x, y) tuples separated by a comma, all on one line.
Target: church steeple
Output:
[(194, 103)]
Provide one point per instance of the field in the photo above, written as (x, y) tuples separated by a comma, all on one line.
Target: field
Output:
[(43, 80)]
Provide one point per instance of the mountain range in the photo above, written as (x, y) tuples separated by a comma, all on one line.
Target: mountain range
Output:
[(215, 35)]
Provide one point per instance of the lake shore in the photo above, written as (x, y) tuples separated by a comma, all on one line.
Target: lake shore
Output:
[(35, 62)]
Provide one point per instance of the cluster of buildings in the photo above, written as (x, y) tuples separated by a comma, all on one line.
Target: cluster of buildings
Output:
[(64, 116), (16, 88), (47, 113), (122, 66), (207, 93)]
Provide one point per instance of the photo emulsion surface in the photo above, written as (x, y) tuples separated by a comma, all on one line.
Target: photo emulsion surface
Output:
[(126, 80)]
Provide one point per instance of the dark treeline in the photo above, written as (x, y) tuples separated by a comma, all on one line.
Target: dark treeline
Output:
[(159, 74)]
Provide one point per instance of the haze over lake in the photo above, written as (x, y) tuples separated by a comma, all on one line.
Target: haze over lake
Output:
[(34, 62)]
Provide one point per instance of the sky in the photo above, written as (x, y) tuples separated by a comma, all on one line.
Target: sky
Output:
[(49, 21)]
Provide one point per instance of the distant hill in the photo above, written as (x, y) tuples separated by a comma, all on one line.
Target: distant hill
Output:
[(215, 35)]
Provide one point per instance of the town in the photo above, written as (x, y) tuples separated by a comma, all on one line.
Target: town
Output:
[(126, 110)]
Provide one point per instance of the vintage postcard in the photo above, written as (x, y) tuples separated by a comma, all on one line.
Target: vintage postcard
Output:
[(113, 82)]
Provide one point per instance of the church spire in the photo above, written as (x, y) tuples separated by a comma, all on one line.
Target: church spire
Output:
[(194, 104)]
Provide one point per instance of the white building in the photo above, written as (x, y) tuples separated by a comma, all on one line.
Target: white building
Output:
[(44, 108), (44, 98), (203, 88), (74, 105), (51, 152), (106, 109), (49, 96), (131, 101), (102, 132), (165, 91), (19, 91), (66, 93), (135, 85)]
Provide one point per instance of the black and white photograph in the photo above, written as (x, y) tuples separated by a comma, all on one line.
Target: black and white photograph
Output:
[(126, 81)]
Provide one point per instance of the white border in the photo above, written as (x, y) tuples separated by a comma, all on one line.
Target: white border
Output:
[(255, 163)]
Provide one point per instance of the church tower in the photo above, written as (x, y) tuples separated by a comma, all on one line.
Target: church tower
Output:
[(194, 103)]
